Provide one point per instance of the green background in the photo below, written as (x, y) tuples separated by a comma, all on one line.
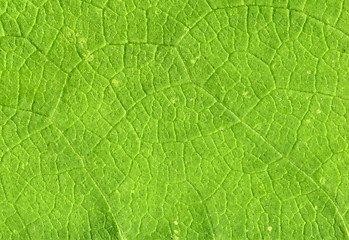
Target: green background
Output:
[(174, 119)]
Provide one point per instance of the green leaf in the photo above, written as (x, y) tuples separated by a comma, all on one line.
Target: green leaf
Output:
[(174, 119)]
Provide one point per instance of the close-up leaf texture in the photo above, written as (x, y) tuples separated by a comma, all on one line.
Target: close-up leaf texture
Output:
[(174, 119)]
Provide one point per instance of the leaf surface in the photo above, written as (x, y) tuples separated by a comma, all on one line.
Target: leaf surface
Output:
[(174, 119)]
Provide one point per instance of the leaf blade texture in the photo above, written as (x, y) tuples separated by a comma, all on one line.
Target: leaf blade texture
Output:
[(171, 119)]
